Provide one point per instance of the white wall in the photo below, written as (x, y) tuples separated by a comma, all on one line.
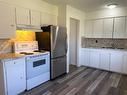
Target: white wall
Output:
[(35, 5), (107, 13), (79, 15)]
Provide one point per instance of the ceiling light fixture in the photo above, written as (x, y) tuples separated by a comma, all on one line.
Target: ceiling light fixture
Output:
[(112, 6)]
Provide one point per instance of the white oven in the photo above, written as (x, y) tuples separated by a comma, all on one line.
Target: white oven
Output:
[(37, 63), (38, 69)]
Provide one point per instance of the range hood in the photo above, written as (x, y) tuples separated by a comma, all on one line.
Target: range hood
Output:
[(29, 27)]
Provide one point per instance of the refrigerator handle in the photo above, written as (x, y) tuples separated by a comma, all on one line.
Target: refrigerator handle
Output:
[(56, 36), (66, 45)]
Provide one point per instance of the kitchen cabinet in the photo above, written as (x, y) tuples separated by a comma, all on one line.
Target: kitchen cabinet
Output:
[(53, 19), (108, 28), (22, 16), (35, 18), (15, 76), (116, 61), (7, 21), (48, 19), (85, 57), (89, 29), (104, 60), (124, 65), (120, 28), (94, 59), (98, 28)]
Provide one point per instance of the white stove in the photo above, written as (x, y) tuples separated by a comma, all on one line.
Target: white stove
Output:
[(37, 63)]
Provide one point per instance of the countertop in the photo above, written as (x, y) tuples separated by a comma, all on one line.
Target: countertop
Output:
[(10, 56), (113, 49)]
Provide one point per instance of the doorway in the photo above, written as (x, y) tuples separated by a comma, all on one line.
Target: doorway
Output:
[(73, 41)]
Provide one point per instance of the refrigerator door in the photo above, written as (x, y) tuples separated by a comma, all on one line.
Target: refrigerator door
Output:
[(58, 67), (58, 41)]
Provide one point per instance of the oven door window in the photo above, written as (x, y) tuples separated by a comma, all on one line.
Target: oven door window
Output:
[(39, 63)]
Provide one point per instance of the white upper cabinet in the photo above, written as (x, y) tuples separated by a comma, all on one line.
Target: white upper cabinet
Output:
[(120, 28), (7, 21), (89, 29), (35, 18), (48, 19), (108, 28), (22, 16), (98, 28), (53, 19), (126, 28)]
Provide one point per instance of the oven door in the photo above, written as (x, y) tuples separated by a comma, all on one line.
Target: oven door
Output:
[(37, 65)]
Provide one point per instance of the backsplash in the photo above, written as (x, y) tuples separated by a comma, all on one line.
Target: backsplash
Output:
[(5, 46), (99, 43)]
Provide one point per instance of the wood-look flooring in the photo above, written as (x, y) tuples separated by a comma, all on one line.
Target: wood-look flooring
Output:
[(84, 81)]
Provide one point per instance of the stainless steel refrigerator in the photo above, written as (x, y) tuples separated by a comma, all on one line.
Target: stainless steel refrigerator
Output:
[(54, 39)]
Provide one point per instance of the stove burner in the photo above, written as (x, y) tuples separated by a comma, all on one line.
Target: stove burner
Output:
[(26, 53), (42, 51)]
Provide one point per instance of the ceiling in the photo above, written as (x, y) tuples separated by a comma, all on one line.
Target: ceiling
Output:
[(89, 5)]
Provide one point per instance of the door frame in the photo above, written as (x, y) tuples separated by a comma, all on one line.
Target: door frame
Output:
[(77, 40)]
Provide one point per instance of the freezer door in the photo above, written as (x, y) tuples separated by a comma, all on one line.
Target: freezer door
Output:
[(58, 41), (58, 67)]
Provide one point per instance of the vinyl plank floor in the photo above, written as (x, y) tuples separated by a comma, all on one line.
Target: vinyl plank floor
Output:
[(84, 81)]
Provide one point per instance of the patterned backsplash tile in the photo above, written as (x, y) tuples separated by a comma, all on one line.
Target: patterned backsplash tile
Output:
[(5, 46), (99, 43)]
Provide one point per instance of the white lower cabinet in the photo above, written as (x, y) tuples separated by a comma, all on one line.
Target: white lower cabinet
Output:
[(94, 59), (110, 60), (116, 61), (85, 57), (104, 60), (124, 67), (15, 76)]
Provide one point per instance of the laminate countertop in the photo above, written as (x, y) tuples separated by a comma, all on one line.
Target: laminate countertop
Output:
[(10, 56), (110, 49)]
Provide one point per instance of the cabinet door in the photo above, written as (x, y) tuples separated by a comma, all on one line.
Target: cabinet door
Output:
[(104, 60), (108, 28), (35, 18), (48, 19), (7, 21), (22, 16), (85, 57), (119, 28), (124, 66), (53, 19), (15, 76), (89, 29), (94, 59), (116, 61), (126, 29), (98, 28)]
